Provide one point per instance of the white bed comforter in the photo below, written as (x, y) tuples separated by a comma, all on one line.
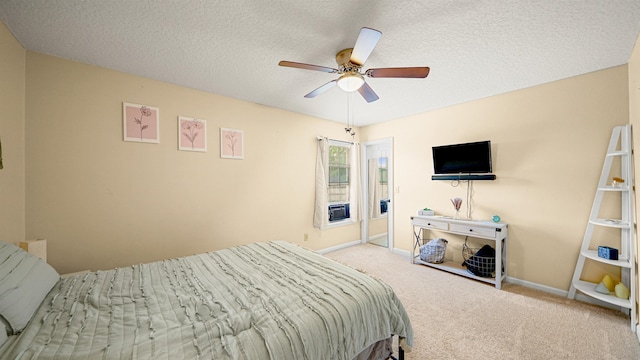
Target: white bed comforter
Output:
[(260, 301)]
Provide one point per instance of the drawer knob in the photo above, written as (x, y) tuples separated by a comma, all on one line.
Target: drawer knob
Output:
[(429, 224), (470, 230)]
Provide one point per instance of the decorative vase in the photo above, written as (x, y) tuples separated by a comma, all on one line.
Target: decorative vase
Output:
[(457, 203)]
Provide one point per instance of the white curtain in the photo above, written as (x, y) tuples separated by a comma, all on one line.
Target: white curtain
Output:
[(374, 189), (356, 189), (321, 212)]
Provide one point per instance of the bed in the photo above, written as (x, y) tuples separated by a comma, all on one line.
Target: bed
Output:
[(271, 300)]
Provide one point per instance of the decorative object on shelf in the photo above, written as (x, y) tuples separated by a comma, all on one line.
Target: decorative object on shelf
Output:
[(192, 134), (606, 285), (602, 289), (433, 251), (231, 144), (617, 181), (606, 252), (457, 203), (426, 212), (495, 218), (140, 123), (622, 291)]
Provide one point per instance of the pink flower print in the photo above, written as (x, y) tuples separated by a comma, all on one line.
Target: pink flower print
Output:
[(144, 111), (232, 142), (192, 128)]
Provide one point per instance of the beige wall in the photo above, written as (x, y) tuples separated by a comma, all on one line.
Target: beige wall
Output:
[(12, 135), (102, 202), (634, 117), (548, 144)]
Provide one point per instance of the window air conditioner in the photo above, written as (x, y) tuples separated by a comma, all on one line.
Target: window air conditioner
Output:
[(338, 212)]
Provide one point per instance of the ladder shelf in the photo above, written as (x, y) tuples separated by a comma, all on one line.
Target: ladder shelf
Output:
[(619, 149)]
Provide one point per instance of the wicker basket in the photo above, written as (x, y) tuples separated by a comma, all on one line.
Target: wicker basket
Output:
[(479, 261), (433, 251)]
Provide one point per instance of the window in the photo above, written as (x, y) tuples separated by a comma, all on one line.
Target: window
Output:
[(339, 169), (339, 182)]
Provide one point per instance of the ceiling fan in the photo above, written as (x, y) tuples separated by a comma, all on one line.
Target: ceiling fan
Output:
[(350, 62)]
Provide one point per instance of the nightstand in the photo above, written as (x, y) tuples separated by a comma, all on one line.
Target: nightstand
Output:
[(35, 247)]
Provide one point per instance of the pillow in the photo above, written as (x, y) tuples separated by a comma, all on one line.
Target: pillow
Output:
[(24, 282)]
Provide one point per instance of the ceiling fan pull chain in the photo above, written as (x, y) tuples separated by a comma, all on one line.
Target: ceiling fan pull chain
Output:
[(349, 128)]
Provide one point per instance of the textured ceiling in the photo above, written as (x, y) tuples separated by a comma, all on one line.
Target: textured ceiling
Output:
[(475, 48)]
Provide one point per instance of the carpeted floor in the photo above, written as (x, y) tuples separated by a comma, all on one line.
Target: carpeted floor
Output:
[(458, 318)]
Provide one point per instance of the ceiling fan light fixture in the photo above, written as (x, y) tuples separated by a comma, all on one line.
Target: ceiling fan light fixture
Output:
[(350, 82)]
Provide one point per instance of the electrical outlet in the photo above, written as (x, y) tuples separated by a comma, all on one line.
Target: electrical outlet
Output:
[(306, 237)]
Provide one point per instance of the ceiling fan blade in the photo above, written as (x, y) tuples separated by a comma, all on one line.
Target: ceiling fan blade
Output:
[(367, 40), (307, 66), (367, 93), (407, 72), (322, 89)]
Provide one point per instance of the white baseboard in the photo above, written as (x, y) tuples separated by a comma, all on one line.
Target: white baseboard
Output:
[(339, 247), (532, 285), (404, 253)]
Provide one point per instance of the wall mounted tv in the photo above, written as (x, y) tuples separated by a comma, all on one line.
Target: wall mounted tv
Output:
[(467, 161)]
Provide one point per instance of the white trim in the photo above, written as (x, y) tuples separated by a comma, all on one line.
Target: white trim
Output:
[(339, 223), (529, 284), (377, 237), (339, 247), (404, 253)]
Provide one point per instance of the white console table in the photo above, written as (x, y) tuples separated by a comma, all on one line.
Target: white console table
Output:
[(478, 229)]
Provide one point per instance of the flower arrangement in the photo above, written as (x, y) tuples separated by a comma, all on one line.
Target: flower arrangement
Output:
[(457, 203)]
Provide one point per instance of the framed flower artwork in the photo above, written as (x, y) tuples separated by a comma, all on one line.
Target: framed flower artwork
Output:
[(140, 123), (192, 134), (231, 144)]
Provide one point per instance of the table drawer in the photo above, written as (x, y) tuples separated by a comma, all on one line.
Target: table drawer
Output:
[(430, 224), (471, 230)]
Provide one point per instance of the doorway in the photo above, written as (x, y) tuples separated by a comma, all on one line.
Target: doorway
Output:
[(377, 185)]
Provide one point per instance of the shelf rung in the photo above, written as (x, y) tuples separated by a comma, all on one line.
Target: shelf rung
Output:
[(617, 153), (593, 255), (589, 288), (614, 223), (613, 188)]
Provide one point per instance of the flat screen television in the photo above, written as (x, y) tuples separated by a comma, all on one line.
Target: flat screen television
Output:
[(466, 158)]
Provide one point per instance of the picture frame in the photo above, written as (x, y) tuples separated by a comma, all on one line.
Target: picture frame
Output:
[(192, 134), (140, 123), (231, 143)]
